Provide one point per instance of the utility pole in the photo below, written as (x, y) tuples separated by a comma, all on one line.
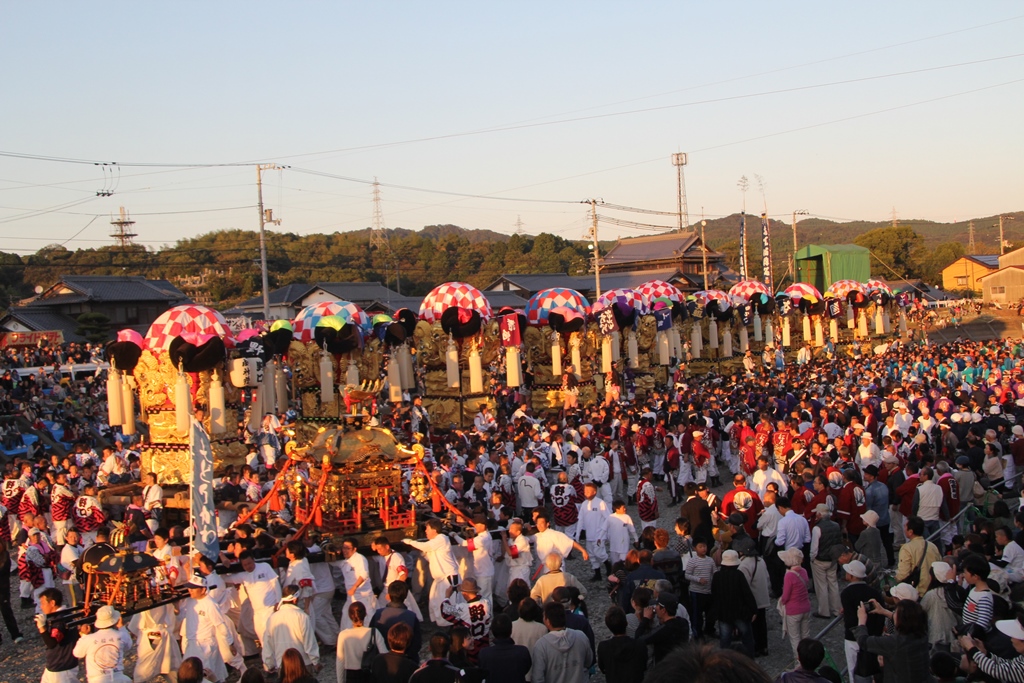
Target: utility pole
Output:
[(1002, 240), (593, 246), (263, 236), (970, 238), (704, 247), (379, 238), (679, 160), (792, 259)]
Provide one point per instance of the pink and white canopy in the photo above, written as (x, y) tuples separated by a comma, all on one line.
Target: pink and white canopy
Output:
[(305, 322), (458, 294), (841, 288), (803, 290), (743, 291), (187, 318), (628, 297), (541, 303), (657, 289), (706, 296), (877, 286)]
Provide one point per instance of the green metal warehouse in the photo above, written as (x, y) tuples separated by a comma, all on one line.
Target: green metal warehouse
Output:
[(823, 264)]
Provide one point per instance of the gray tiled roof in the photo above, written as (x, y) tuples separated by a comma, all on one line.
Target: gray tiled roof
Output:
[(289, 294), (534, 282), (358, 291), (653, 248), (41, 319), (110, 288)]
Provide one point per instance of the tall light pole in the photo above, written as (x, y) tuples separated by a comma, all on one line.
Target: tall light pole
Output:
[(263, 237), (679, 160), (1002, 242), (704, 249), (593, 246), (792, 259)]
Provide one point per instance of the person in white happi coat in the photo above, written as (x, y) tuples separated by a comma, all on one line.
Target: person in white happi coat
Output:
[(596, 469), (324, 623), (518, 555), (621, 533), (355, 571), (157, 652), (593, 524), (444, 571), (298, 573), (480, 547), (226, 599), (290, 627), (204, 633), (261, 587), (393, 569), (548, 540)]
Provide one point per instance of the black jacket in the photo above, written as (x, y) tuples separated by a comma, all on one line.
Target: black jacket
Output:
[(391, 667), (731, 597), (622, 660), (664, 637), (697, 512), (505, 662), (60, 643), (386, 617)]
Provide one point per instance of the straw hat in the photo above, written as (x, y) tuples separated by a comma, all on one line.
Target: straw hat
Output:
[(107, 616)]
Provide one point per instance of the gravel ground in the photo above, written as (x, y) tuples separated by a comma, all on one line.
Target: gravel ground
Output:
[(23, 662)]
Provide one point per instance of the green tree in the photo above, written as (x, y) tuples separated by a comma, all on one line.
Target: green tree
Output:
[(894, 251), (95, 327), (931, 266)]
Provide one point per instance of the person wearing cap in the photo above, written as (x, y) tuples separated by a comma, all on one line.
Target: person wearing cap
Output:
[(855, 593), (290, 627), (906, 654), (464, 607), (670, 632), (103, 646), (733, 604), (869, 543), (942, 592), (999, 668), (204, 633)]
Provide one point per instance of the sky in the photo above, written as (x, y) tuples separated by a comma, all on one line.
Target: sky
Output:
[(848, 111)]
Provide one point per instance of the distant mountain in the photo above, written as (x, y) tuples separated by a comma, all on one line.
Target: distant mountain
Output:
[(437, 232)]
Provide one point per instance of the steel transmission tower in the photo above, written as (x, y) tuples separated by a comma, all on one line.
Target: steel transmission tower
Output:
[(123, 234), (379, 238)]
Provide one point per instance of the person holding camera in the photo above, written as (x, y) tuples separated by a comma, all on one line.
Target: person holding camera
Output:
[(906, 655)]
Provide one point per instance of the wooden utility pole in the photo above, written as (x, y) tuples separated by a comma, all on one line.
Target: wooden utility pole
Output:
[(263, 237), (595, 247)]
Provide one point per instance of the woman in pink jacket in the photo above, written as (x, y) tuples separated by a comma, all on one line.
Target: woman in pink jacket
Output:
[(795, 602)]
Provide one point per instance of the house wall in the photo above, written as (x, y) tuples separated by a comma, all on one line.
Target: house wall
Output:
[(1003, 287), (1014, 258), (964, 273)]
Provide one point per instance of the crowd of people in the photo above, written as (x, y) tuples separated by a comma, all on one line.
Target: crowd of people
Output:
[(878, 491)]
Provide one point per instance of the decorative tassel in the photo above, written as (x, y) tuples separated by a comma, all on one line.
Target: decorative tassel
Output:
[(476, 372), (833, 330), (862, 324), (713, 334), (182, 404), (879, 321), (676, 343), (577, 360), (744, 339), (819, 333), (556, 355), (727, 343), (696, 340), (664, 352), (757, 328), (786, 337), (886, 321), (115, 415), (606, 354), (326, 378), (127, 408), (850, 324), (281, 389), (451, 358), (394, 379), (405, 366), (903, 323), (513, 367), (807, 328), (352, 374), (256, 409), (633, 349), (616, 346), (769, 332), (270, 387), (218, 423)]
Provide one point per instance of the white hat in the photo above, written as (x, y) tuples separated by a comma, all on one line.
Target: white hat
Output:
[(867, 436), (107, 616), (994, 410), (1011, 627), (904, 591), (955, 417), (890, 459), (856, 568), (870, 518), (943, 572), (822, 508), (1017, 430), (975, 417), (698, 435), (792, 556), (900, 405), (730, 558), (196, 581)]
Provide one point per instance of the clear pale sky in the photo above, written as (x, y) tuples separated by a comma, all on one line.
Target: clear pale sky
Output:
[(342, 88)]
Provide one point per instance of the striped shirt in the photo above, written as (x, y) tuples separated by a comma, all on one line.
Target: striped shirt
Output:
[(1010, 670), (979, 608), (700, 568)]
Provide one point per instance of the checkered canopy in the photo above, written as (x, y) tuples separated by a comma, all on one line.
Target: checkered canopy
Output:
[(187, 318), (877, 286), (541, 303), (657, 289), (706, 296), (803, 290), (743, 291), (458, 294), (305, 322), (842, 288), (629, 298)]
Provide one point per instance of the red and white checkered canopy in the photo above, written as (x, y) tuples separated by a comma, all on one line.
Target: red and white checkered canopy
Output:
[(458, 294), (628, 297), (743, 291), (658, 289), (188, 318)]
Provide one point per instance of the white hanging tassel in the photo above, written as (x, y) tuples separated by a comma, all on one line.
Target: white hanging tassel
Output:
[(850, 324), (744, 339), (182, 405), (786, 337), (903, 323), (115, 414), (769, 332), (807, 328), (833, 330), (879, 321), (886, 321), (394, 379), (677, 343), (713, 334), (281, 389), (326, 378), (405, 365), (616, 346), (556, 355), (727, 343), (696, 340), (256, 408), (606, 354), (476, 372), (218, 422), (633, 349), (451, 359), (757, 328), (577, 357), (862, 324), (513, 367), (127, 408), (270, 387), (664, 352), (352, 374), (819, 333)]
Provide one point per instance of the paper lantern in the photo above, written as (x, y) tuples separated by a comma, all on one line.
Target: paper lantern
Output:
[(616, 346), (270, 388), (757, 328), (696, 340), (676, 343), (182, 405), (807, 328), (394, 380), (256, 409), (727, 343), (819, 333), (451, 358), (886, 321), (577, 360), (769, 332), (352, 374), (513, 368), (556, 355), (879, 321), (862, 325), (713, 334), (127, 408), (786, 337), (664, 352), (326, 378), (476, 372), (405, 367), (903, 323), (115, 415), (246, 372), (281, 389), (744, 339), (606, 354), (218, 421), (633, 349), (833, 330), (850, 323)]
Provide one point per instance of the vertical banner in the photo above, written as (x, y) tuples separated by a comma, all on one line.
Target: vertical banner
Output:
[(766, 251), (510, 333), (204, 524), (743, 246)]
